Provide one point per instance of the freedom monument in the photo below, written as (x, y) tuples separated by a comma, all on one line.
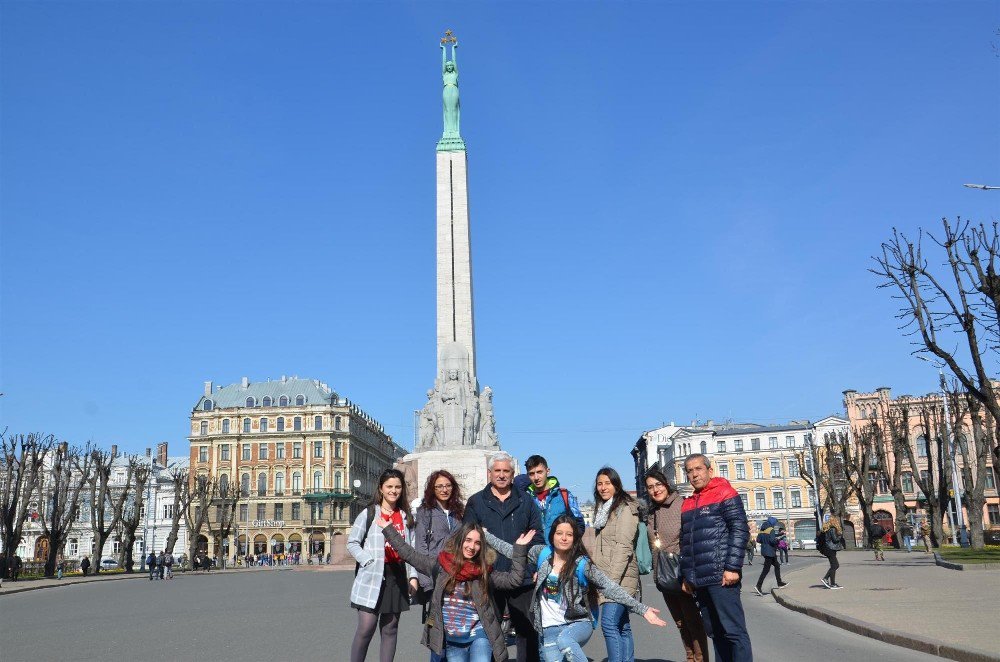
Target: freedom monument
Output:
[(456, 427)]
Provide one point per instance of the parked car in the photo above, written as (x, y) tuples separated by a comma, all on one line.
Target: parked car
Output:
[(108, 564), (992, 535)]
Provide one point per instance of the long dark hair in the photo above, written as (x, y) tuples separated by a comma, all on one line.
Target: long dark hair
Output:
[(403, 503), (576, 551), (484, 559), (454, 503), (661, 477), (620, 497)]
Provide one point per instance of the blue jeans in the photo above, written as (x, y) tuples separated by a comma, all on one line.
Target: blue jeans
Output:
[(478, 650), (565, 642), (908, 543), (617, 632), (722, 614)]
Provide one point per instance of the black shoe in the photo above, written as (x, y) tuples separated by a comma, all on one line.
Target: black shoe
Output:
[(782, 584), (835, 586)]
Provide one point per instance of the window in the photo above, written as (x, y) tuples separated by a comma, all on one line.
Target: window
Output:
[(994, 513), (246, 425), (283, 401), (337, 481), (245, 485), (266, 402), (720, 447), (318, 480), (218, 512), (759, 497), (778, 499), (262, 451), (223, 484), (925, 477), (755, 444), (741, 471), (246, 452), (74, 546), (261, 511), (297, 450), (263, 425), (244, 512), (812, 495), (250, 402), (724, 470), (922, 446), (990, 483), (297, 423), (225, 426), (281, 424), (337, 423), (809, 464), (789, 441), (300, 400), (796, 499), (279, 511), (746, 503), (317, 449), (203, 453), (279, 451), (296, 510), (204, 428), (207, 406), (318, 423), (704, 447), (758, 469), (296, 483), (775, 468), (224, 452), (793, 467), (279, 484), (907, 481), (317, 510), (338, 449), (772, 442), (738, 445), (261, 485), (168, 511)]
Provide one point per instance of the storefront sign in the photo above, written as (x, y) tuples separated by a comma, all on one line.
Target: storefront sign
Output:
[(267, 523)]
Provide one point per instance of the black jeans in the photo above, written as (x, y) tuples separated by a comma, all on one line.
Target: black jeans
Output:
[(769, 561), (518, 603), (831, 574), (722, 615)]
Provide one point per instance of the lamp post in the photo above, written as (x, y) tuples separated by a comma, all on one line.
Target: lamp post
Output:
[(145, 525)]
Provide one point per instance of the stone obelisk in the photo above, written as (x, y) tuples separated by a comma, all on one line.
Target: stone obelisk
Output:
[(456, 426)]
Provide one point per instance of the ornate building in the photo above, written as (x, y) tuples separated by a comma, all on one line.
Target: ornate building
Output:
[(306, 462)]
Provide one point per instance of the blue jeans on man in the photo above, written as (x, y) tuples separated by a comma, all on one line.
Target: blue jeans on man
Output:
[(617, 632), (908, 543), (565, 642), (722, 614)]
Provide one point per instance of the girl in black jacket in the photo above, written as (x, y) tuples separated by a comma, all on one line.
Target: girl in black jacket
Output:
[(834, 540)]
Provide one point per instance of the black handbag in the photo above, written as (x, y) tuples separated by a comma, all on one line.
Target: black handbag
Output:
[(668, 566)]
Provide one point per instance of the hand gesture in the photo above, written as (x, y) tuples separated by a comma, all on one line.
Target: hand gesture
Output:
[(525, 537), (652, 617)]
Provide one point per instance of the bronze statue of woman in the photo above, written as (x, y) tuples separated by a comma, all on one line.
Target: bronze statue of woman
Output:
[(449, 74)]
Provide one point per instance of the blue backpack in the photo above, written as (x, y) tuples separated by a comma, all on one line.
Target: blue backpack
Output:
[(581, 578)]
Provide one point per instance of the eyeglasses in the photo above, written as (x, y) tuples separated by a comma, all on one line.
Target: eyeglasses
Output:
[(655, 486), (443, 487)]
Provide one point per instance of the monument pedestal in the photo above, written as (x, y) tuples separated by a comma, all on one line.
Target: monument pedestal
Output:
[(469, 466)]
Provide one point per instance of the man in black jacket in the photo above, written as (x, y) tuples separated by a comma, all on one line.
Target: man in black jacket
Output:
[(507, 513)]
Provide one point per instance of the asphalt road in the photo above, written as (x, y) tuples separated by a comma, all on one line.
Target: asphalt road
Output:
[(278, 615)]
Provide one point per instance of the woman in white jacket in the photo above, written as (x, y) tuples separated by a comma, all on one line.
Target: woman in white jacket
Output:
[(383, 583)]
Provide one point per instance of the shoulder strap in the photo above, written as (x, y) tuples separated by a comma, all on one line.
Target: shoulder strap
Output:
[(543, 556), (565, 496), (430, 525), (369, 520), (581, 571)]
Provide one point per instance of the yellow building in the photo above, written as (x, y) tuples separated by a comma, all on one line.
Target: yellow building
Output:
[(305, 460)]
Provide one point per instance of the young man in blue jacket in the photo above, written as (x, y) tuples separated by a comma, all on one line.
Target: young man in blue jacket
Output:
[(714, 536), (552, 499)]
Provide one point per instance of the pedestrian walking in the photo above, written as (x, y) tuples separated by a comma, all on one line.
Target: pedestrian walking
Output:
[(925, 535), (714, 534), (832, 539), (383, 583), (563, 604), (663, 523), (463, 625), (875, 535), (168, 561), (3, 568), (151, 564), (783, 547), (15, 567), (160, 565), (906, 532), (552, 499), (507, 513), (769, 538), (616, 527), (440, 513), (751, 547), (60, 565)]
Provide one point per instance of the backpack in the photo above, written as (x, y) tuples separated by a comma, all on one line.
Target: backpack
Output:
[(581, 579), (821, 540), (643, 554), (369, 519)]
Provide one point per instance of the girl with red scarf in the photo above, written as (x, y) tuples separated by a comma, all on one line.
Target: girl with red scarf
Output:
[(463, 624)]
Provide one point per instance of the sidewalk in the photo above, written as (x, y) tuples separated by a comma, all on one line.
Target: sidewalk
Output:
[(905, 600), (9, 587)]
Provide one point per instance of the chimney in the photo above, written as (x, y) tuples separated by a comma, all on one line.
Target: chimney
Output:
[(161, 453), (114, 450), (208, 389), (246, 382)]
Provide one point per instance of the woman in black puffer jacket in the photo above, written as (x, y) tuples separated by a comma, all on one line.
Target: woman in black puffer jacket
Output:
[(834, 540)]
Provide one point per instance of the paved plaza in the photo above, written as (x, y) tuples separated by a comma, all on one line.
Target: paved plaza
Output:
[(302, 614)]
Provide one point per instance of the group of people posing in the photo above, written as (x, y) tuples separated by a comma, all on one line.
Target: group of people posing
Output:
[(516, 549)]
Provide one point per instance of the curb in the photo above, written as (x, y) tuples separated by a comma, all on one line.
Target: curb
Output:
[(118, 577), (950, 565), (947, 564), (889, 636)]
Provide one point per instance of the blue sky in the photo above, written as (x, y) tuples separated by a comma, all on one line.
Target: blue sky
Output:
[(674, 206)]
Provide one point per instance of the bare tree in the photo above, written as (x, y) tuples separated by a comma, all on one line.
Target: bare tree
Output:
[(106, 499), (182, 500), (952, 310), (831, 483), (227, 499), (21, 468), (932, 481), (59, 497), (974, 455), (131, 517), (203, 493), (858, 458)]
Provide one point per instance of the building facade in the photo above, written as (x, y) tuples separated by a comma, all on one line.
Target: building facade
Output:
[(305, 461)]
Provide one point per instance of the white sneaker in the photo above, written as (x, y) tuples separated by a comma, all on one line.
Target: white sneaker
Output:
[(826, 583), (757, 591), (835, 586)]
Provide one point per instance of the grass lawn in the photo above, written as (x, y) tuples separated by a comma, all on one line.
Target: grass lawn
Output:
[(989, 554)]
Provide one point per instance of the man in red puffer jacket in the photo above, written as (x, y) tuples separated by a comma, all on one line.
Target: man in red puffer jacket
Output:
[(714, 535)]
